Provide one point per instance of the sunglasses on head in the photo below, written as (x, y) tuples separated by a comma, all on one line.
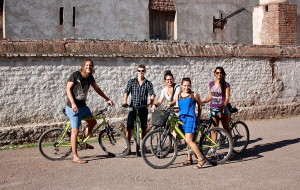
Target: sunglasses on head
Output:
[(141, 71)]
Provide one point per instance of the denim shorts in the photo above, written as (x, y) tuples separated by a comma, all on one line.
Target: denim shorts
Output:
[(217, 111), (76, 117)]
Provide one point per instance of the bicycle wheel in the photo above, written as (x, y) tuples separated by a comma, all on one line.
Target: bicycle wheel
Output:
[(240, 134), (217, 152), (54, 144), (156, 150), (113, 142)]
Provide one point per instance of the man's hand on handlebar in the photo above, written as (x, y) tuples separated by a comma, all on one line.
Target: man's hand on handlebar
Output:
[(125, 105)]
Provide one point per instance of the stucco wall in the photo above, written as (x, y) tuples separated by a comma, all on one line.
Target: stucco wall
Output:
[(125, 19), (195, 20), (33, 84), (104, 19), (33, 89)]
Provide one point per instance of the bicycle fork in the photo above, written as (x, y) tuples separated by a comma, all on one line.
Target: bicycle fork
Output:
[(111, 138)]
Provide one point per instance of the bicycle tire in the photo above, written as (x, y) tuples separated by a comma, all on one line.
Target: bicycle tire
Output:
[(114, 142), (137, 139), (156, 151), (223, 149), (241, 136), (54, 146)]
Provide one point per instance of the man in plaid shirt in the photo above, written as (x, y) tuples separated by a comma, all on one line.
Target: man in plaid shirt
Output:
[(139, 88)]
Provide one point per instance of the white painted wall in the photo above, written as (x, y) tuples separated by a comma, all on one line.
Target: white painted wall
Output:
[(33, 88)]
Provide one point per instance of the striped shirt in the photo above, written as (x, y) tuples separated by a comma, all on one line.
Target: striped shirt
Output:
[(139, 94)]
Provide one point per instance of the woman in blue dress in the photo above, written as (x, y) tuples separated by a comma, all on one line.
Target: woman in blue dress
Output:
[(187, 101)]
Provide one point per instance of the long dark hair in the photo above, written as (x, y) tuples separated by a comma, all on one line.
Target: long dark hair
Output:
[(222, 81)]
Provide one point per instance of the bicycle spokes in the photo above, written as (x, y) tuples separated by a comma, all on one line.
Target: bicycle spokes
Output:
[(216, 146)]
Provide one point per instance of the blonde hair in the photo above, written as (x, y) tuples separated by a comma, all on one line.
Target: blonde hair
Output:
[(83, 64)]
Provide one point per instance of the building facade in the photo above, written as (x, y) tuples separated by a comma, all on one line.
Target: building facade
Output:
[(183, 20)]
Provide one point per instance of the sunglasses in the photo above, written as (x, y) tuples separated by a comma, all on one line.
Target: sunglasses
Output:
[(217, 73), (141, 71)]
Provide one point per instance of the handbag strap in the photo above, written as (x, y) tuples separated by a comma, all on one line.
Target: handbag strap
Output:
[(174, 89)]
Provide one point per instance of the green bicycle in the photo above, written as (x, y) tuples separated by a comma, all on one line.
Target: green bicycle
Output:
[(160, 148), (54, 144), (136, 132)]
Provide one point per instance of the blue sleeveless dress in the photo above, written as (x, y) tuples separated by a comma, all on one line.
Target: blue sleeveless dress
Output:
[(188, 114)]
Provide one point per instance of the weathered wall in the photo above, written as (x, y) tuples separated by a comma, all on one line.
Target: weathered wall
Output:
[(275, 24), (104, 19), (195, 20), (33, 76), (125, 19), (298, 19)]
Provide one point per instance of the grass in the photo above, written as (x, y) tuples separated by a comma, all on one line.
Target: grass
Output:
[(32, 145), (18, 146)]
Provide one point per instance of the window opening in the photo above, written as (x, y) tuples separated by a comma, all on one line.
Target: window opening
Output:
[(162, 25), (74, 16), (61, 16), (1, 18)]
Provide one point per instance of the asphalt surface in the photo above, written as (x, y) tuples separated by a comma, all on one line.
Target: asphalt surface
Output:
[(271, 161)]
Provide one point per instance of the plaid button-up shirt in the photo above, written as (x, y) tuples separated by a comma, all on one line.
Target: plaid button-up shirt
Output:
[(139, 94)]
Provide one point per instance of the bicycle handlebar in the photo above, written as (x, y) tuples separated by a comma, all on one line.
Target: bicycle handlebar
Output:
[(103, 110), (230, 108), (171, 110)]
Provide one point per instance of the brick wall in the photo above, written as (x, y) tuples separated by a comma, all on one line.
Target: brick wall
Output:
[(279, 24), (162, 5), (99, 48)]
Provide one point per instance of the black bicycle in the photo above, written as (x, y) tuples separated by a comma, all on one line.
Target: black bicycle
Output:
[(240, 132), (239, 129)]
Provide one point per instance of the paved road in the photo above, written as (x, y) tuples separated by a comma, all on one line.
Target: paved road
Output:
[(270, 162)]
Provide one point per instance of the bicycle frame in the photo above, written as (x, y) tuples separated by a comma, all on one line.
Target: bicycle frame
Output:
[(137, 121), (173, 121), (68, 125), (96, 128)]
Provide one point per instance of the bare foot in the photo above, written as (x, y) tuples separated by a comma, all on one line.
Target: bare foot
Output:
[(79, 161)]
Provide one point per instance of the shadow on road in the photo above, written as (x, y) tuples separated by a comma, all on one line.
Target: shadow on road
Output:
[(255, 152), (96, 157)]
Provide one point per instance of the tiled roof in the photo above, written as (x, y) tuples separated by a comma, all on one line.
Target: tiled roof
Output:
[(118, 48)]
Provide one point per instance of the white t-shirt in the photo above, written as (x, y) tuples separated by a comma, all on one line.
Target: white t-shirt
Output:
[(164, 92)]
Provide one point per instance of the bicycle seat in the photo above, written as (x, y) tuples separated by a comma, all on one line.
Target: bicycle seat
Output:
[(204, 121), (233, 110)]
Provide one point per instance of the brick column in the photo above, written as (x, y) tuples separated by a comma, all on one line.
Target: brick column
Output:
[(275, 24)]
